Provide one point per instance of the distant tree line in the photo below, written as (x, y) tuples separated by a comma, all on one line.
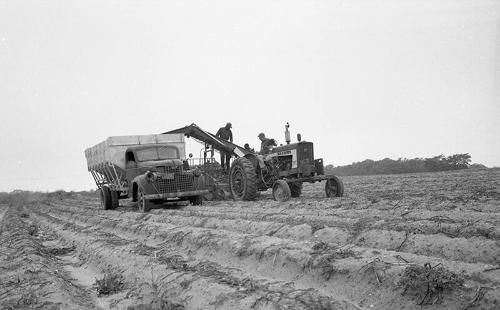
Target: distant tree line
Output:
[(23, 197), (404, 165)]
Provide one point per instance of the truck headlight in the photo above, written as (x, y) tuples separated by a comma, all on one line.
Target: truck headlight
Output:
[(150, 176)]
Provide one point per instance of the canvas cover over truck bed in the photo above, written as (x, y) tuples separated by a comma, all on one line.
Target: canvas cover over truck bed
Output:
[(112, 150)]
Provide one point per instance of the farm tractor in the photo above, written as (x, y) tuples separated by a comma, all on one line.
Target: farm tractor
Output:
[(283, 169)]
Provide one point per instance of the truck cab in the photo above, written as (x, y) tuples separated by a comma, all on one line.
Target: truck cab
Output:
[(140, 159)]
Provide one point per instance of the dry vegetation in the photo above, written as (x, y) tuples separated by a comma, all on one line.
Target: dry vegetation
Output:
[(414, 241)]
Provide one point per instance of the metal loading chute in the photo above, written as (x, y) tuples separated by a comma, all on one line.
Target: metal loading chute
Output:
[(207, 138)]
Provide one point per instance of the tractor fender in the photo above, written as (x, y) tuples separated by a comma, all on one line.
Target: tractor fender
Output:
[(254, 159)]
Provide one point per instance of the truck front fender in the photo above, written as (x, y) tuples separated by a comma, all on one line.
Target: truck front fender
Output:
[(138, 181)]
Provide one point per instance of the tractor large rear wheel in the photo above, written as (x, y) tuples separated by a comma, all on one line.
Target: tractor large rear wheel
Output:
[(334, 187), (243, 179)]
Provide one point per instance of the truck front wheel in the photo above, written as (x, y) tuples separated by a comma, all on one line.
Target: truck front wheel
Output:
[(143, 203), (105, 197)]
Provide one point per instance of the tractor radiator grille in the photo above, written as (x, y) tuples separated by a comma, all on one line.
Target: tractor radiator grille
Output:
[(180, 182)]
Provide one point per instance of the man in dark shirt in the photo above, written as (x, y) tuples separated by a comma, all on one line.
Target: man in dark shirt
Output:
[(226, 134), (266, 144), (247, 147)]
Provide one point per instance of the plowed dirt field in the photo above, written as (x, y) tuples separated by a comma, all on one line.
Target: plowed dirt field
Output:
[(414, 241)]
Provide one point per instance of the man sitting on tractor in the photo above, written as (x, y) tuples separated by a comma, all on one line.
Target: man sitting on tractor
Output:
[(265, 148), (266, 144)]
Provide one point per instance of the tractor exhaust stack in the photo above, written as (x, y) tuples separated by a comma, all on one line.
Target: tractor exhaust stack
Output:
[(287, 133)]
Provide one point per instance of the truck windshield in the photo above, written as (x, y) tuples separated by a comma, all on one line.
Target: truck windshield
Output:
[(157, 153)]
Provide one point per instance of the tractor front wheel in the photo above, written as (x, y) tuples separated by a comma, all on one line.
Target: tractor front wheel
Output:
[(243, 179), (334, 187), (281, 191), (143, 203)]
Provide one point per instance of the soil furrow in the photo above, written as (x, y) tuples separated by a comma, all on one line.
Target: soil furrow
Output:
[(230, 288), (30, 274), (410, 239)]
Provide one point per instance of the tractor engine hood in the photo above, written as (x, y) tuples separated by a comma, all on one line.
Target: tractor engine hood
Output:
[(288, 147)]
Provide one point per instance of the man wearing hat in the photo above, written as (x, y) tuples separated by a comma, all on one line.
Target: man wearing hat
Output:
[(266, 144), (226, 134), (247, 147)]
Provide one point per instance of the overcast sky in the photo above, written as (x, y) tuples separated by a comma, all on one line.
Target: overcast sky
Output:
[(361, 79)]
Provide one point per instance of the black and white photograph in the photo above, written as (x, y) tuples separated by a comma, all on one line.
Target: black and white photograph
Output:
[(253, 155)]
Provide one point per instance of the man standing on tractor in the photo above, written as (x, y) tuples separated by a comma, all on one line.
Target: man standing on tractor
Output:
[(266, 144), (226, 134)]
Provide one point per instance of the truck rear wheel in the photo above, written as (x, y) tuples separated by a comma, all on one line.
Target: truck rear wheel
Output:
[(281, 191), (114, 199), (243, 179), (143, 203), (295, 189), (334, 187), (105, 197)]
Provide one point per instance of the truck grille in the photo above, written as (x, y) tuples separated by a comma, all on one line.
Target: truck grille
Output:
[(180, 182), (168, 169)]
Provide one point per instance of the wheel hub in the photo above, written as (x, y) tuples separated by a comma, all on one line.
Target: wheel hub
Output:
[(238, 182)]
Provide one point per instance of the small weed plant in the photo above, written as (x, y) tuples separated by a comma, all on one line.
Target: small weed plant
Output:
[(111, 283), (431, 282)]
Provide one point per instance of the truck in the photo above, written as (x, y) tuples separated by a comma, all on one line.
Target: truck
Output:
[(147, 168)]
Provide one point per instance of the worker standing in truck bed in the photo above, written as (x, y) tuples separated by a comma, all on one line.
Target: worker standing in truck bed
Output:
[(226, 134)]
